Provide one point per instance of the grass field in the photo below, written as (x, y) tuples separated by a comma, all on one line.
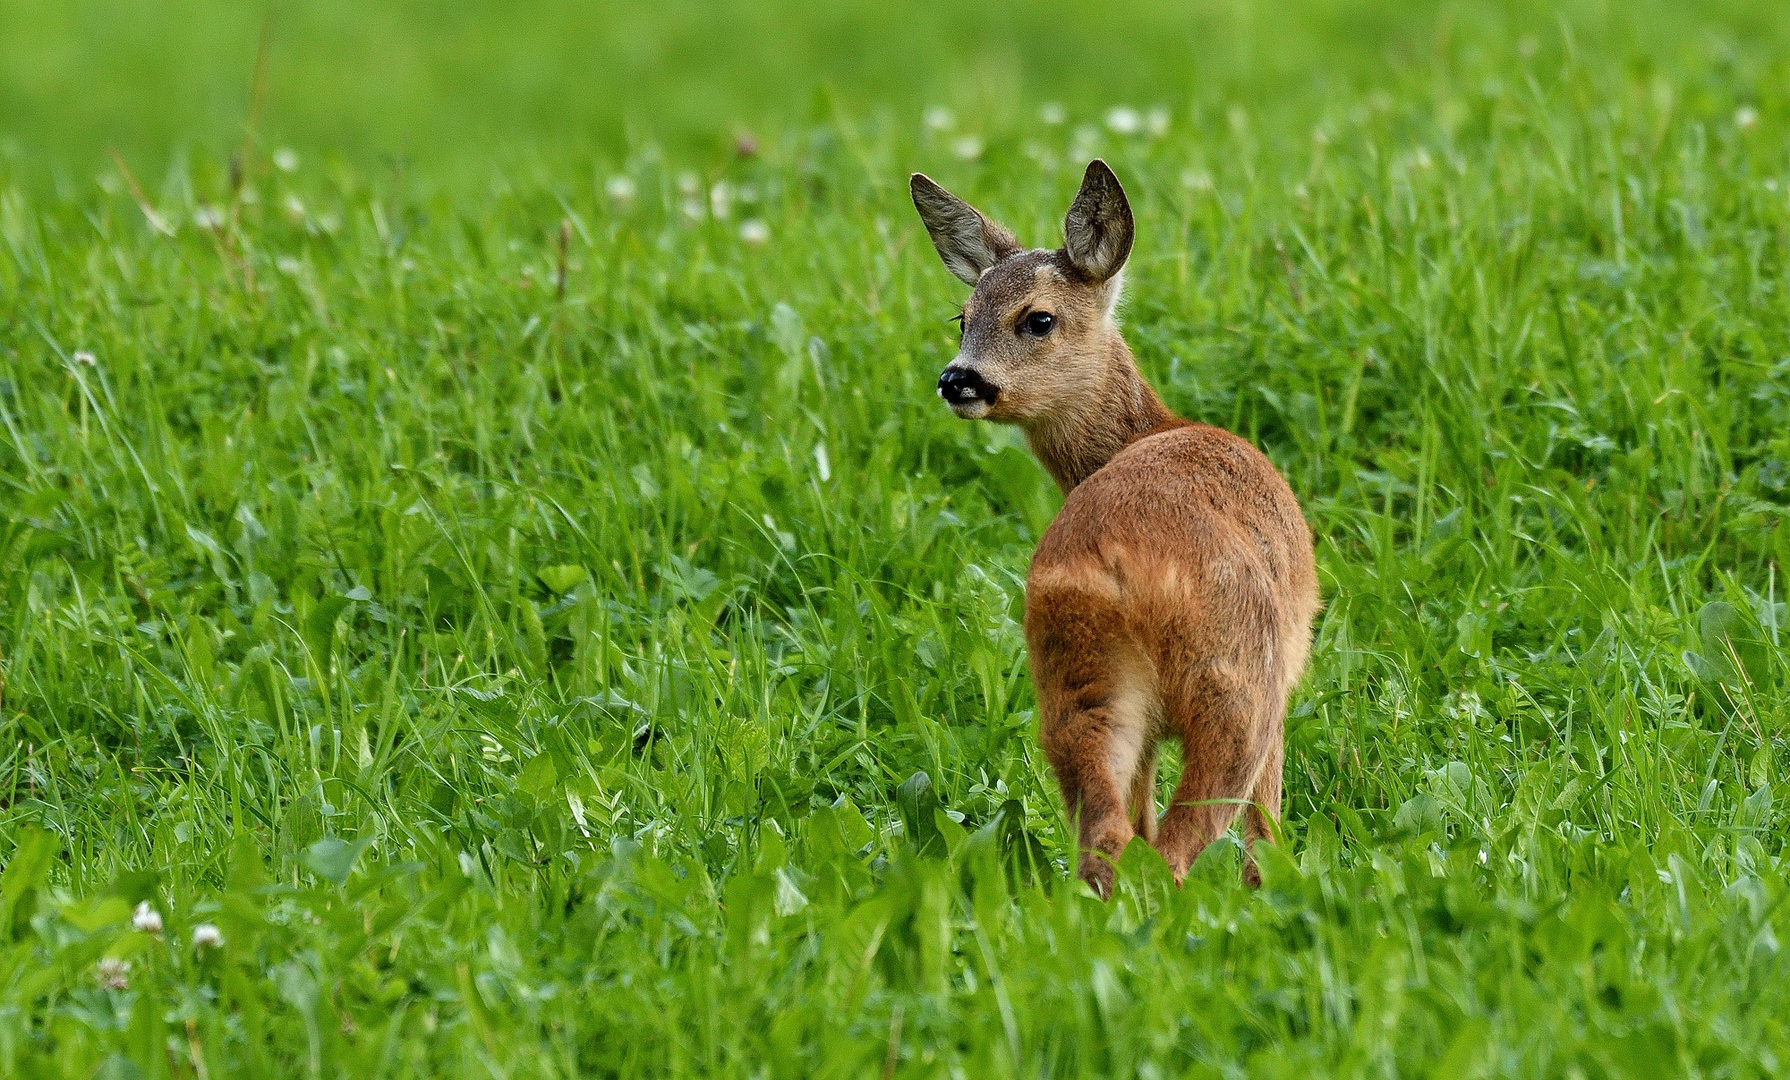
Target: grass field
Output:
[(491, 561)]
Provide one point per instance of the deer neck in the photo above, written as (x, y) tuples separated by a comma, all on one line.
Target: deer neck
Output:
[(1077, 438)]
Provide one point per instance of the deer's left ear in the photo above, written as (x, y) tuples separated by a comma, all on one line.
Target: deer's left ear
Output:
[(1098, 232)]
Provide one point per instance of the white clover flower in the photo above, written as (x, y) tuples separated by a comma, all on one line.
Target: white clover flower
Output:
[(692, 208), (1085, 142), (1052, 113), (939, 118), (146, 919), (754, 231), (207, 936), (619, 188), (969, 147), (85, 359), (285, 159), (1124, 120), (114, 974), (1746, 118)]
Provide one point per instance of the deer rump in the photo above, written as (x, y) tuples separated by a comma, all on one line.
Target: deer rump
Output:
[(1171, 598)]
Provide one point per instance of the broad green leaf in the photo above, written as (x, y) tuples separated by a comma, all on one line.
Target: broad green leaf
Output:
[(333, 858), (919, 806), (539, 776), (564, 578)]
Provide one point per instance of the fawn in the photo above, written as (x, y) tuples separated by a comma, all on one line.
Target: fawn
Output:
[(1173, 595)]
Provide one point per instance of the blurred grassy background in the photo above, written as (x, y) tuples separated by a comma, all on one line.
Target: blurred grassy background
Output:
[(513, 598), (449, 83)]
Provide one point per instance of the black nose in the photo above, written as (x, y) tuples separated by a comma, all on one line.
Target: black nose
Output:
[(962, 384)]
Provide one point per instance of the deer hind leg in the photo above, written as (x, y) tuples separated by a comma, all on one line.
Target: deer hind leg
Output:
[(1143, 796), (1093, 754), (1264, 805), (1098, 700), (1226, 744)]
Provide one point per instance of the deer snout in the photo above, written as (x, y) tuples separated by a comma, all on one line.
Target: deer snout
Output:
[(966, 391)]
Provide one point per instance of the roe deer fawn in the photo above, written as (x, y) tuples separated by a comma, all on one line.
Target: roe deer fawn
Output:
[(1173, 595)]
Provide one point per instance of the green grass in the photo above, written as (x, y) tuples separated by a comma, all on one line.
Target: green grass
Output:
[(529, 685)]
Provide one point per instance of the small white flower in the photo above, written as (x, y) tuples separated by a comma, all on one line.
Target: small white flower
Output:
[(146, 919), (693, 209), (285, 159), (208, 216), (688, 183), (939, 118), (1746, 118), (1053, 113), (969, 147), (85, 359), (114, 974), (1123, 120), (289, 265), (1085, 142), (754, 231), (1156, 122), (619, 188), (1046, 159), (721, 199), (207, 936), (295, 208)]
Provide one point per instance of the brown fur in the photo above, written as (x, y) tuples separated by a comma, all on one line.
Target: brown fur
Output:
[(1173, 595)]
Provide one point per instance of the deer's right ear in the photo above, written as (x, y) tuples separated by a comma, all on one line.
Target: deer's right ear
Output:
[(968, 242)]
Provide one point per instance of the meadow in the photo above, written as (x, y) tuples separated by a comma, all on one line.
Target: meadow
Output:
[(487, 587)]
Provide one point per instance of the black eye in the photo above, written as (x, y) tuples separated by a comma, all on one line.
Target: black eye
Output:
[(1038, 323), (958, 319)]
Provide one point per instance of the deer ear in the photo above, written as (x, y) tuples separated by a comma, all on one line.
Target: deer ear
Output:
[(1098, 232), (968, 242)]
